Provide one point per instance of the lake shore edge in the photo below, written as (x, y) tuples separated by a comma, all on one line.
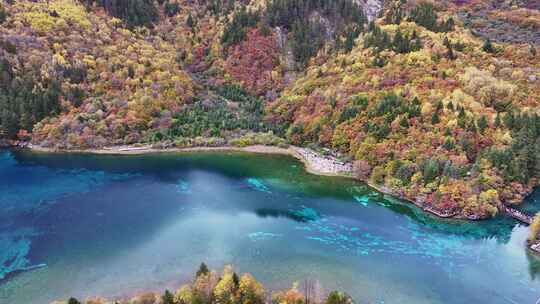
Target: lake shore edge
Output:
[(314, 163)]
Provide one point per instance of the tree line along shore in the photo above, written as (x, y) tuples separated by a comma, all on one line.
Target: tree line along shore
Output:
[(227, 287)]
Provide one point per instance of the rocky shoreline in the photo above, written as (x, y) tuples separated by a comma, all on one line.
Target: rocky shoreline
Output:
[(417, 203), (4, 143), (534, 247)]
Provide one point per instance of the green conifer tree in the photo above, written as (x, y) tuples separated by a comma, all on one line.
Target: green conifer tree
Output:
[(488, 47), (435, 118), (482, 124), (497, 121)]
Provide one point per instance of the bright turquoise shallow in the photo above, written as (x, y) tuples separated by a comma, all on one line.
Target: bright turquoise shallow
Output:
[(118, 225)]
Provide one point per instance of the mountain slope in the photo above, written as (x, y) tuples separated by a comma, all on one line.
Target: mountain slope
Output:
[(453, 124), (131, 71), (112, 82)]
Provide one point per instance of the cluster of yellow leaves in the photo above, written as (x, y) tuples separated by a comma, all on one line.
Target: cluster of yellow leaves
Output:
[(54, 15), (223, 290), (419, 58), (534, 229), (132, 79), (486, 88), (291, 296), (145, 69)]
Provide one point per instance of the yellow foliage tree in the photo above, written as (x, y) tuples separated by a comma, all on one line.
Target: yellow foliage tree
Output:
[(45, 16), (225, 290), (491, 91), (184, 295), (292, 296), (250, 291), (534, 229)]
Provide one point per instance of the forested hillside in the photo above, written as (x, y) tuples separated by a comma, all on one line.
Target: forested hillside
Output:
[(123, 71), (427, 111), (436, 101), (109, 82)]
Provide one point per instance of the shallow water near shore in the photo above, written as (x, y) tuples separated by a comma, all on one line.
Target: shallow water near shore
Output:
[(118, 225)]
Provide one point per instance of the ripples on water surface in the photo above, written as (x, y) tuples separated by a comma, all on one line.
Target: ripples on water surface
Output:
[(81, 225)]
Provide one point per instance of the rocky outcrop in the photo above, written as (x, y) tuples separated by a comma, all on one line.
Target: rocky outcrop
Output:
[(509, 21), (371, 8)]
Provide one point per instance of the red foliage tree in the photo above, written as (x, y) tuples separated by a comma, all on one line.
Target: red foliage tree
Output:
[(252, 61)]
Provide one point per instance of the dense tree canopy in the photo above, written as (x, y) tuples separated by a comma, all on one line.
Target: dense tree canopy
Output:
[(417, 121), (133, 12), (309, 24), (23, 103)]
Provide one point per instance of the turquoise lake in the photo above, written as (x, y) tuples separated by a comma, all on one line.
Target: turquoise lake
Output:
[(82, 225)]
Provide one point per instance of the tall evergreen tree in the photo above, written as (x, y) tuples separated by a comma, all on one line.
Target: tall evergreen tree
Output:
[(133, 12), (488, 46), (425, 16), (189, 21), (509, 120), (73, 301), (482, 124), (3, 14), (171, 8), (203, 269), (536, 172), (435, 118), (167, 298), (235, 31), (497, 121)]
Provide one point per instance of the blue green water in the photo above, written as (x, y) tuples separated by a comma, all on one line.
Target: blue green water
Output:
[(82, 225)]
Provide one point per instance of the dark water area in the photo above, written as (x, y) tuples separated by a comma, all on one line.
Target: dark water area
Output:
[(82, 225)]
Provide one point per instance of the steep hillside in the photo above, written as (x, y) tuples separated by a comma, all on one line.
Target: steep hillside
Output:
[(121, 72), (109, 83)]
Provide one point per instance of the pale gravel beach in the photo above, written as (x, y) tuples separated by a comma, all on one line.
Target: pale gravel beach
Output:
[(314, 162)]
